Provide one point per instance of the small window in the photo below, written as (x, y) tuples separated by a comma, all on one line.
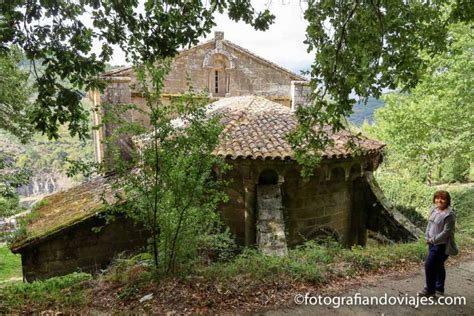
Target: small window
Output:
[(216, 87)]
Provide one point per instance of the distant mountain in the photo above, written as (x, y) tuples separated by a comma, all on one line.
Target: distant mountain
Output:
[(364, 111)]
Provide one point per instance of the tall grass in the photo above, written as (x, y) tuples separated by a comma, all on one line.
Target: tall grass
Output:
[(56, 293), (10, 264)]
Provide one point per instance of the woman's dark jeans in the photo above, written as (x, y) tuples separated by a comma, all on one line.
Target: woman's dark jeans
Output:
[(434, 268)]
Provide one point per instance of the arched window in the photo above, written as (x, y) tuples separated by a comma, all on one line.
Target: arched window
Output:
[(219, 78), (268, 176), (216, 81), (355, 171), (338, 174)]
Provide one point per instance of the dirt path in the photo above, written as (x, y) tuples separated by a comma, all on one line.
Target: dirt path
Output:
[(459, 282)]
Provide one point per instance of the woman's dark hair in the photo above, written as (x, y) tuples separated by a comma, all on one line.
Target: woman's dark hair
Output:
[(442, 194)]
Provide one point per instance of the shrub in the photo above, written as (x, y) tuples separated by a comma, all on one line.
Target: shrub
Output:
[(133, 271), (219, 247), (407, 192)]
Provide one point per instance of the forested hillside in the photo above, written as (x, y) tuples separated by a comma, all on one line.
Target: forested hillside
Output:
[(364, 111), (44, 159), (47, 162)]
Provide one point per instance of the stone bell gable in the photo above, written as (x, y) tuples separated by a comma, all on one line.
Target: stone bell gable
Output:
[(224, 69), (219, 68)]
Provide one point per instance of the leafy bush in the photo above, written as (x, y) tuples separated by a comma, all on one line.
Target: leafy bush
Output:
[(414, 200), (406, 192), (415, 217), (312, 262), (463, 204), (23, 222), (134, 270), (219, 247), (173, 192), (131, 275)]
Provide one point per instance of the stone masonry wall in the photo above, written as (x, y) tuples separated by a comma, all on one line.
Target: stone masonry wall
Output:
[(188, 63), (80, 249), (249, 76), (317, 207), (300, 94), (321, 205), (233, 212)]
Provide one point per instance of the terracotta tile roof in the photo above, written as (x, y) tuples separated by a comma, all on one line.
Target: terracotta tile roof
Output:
[(256, 128)]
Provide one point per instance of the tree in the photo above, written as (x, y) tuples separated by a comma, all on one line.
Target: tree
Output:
[(14, 94), (14, 106), (362, 47), (433, 125), (53, 33), (169, 184), (11, 177), (370, 45)]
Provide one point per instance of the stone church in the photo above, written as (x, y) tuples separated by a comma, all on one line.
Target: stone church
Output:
[(270, 206), (218, 68)]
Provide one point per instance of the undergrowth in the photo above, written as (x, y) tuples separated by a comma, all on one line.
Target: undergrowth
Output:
[(55, 293)]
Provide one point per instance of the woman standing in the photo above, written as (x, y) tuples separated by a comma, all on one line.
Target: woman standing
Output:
[(440, 241)]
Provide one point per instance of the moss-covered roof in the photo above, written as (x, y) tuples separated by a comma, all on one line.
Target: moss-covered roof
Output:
[(63, 209)]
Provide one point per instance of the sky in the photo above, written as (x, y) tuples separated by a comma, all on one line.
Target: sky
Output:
[(282, 43)]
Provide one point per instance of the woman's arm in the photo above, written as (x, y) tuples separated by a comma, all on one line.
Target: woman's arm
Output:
[(427, 236), (448, 230), (428, 226)]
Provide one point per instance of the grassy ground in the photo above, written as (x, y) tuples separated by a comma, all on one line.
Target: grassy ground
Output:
[(55, 293), (10, 264)]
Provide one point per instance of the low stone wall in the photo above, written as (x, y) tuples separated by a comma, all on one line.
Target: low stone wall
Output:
[(79, 248)]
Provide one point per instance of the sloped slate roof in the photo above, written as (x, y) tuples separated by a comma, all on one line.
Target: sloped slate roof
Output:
[(256, 128)]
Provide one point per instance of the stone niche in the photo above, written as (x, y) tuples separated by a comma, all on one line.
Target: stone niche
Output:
[(270, 196)]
